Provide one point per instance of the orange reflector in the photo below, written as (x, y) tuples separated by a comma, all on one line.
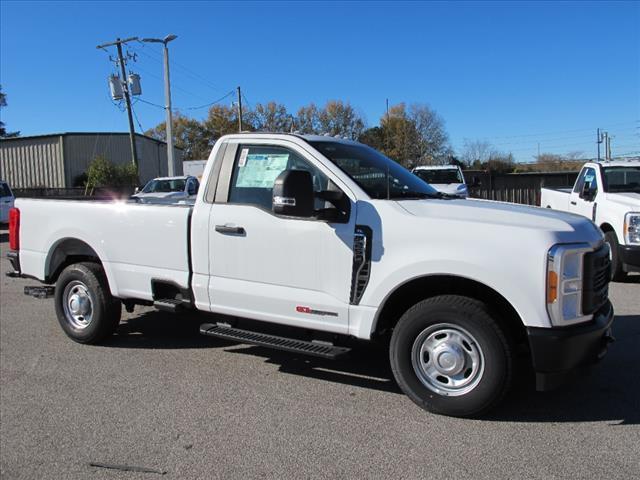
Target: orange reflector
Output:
[(552, 287)]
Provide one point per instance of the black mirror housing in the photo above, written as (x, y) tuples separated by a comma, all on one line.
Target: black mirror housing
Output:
[(293, 194)]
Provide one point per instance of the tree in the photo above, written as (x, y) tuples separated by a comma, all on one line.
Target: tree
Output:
[(374, 137), (270, 117), (433, 141), (223, 120), (190, 135), (338, 118), (103, 173), (479, 151), (308, 120), (400, 137), (3, 131)]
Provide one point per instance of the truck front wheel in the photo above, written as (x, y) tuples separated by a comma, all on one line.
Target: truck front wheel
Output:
[(617, 273), (84, 306), (451, 357)]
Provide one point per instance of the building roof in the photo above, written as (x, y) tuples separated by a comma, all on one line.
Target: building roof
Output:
[(64, 134)]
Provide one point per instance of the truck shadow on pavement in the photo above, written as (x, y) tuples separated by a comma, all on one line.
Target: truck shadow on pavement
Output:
[(610, 392)]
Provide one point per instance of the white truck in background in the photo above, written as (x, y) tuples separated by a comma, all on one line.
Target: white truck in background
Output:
[(444, 178), (333, 238), (608, 193)]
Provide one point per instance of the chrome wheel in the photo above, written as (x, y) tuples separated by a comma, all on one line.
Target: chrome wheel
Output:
[(447, 359), (77, 304)]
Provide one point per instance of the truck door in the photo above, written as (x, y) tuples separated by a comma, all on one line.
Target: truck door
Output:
[(276, 268), (583, 197)]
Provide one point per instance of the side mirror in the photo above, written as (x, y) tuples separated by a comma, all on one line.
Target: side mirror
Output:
[(587, 193), (136, 190), (293, 194)]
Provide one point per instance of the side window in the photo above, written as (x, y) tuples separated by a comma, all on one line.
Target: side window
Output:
[(591, 180), (580, 181), (256, 168)]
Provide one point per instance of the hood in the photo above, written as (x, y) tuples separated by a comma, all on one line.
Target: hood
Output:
[(159, 195), (630, 200), (451, 188), (566, 226)]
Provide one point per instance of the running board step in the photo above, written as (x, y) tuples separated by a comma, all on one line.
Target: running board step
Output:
[(170, 304), (315, 349)]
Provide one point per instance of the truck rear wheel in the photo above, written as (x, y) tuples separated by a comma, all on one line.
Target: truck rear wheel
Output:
[(84, 306), (451, 357), (617, 273)]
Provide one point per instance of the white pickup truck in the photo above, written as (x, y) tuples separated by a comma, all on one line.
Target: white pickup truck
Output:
[(332, 237), (609, 194)]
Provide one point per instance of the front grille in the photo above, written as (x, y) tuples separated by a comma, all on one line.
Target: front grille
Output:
[(597, 273)]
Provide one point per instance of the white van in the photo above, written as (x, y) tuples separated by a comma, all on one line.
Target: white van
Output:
[(444, 178)]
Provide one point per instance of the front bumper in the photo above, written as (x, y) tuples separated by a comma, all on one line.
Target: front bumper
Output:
[(630, 257), (559, 353)]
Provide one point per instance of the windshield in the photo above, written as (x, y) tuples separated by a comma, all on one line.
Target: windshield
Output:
[(164, 186), (622, 179), (376, 174), (439, 176), (4, 190)]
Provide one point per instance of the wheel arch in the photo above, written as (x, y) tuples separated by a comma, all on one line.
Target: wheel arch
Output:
[(607, 227), (411, 292), (65, 252)]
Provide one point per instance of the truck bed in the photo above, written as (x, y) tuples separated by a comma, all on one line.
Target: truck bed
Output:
[(135, 242)]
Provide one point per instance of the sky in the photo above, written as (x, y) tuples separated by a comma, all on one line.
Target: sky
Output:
[(519, 75)]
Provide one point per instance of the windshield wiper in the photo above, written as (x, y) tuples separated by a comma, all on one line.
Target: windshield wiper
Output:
[(408, 195)]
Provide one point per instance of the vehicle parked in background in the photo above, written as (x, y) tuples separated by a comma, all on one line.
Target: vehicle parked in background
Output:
[(168, 189), (6, 201), (608, 193), (336, 241), (444, 178)]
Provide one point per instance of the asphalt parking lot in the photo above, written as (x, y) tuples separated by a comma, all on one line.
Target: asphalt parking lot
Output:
[(160, 397)]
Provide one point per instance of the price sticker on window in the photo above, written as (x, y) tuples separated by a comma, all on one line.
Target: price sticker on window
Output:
[(243, 157)]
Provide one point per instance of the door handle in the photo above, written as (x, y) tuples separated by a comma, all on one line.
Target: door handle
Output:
[(230, 229), (573, 202)]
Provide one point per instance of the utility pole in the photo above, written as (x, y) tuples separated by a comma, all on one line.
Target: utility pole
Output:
[(605, 136), (125, 87), (608, 147), (171, 165), (239, 110), (387, 109), (598, 141)]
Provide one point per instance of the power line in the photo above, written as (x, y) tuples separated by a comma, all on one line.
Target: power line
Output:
[(197, 107), (186, 70), (151, 103), (566, 131)]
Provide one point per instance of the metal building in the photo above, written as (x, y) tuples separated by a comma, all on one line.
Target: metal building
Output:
[(57, 160)]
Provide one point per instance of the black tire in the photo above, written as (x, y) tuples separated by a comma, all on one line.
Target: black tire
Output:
[(484, 338), (617, 273), (86, 283)]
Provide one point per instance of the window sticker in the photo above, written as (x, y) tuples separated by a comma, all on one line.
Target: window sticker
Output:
[(261, 170), (243, 157), (589, 177)]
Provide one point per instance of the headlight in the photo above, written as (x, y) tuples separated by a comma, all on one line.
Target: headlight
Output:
[(564, 283), (632, 228)]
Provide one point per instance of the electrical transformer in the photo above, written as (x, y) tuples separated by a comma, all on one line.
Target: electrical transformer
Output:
[(116, 87), (134, 84)]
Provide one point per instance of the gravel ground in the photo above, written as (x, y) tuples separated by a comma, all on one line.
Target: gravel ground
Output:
[(161, 397)]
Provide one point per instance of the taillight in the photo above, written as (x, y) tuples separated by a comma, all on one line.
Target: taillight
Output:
[(14, 229)]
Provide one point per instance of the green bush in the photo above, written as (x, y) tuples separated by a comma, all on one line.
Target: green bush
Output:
[(103, 173)]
